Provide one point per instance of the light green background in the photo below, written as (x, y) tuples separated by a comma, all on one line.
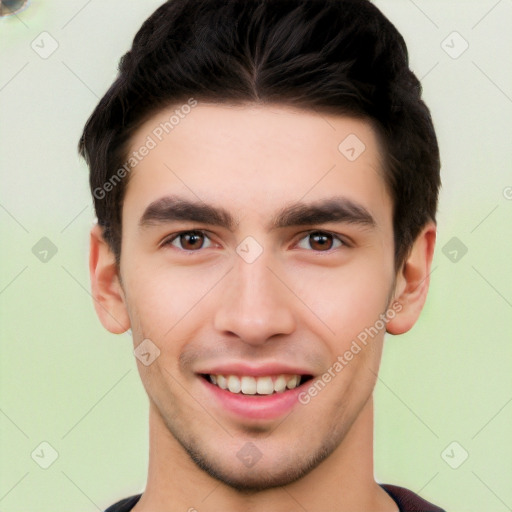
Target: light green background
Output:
[(67, 381)]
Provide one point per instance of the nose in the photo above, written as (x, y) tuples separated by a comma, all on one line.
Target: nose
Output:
[(255, 304)]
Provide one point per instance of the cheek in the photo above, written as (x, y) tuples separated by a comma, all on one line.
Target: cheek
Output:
[(165, 300), (347, 299)]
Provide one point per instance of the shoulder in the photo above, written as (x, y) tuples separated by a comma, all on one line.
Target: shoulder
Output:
[(124, 505), (408, 501)]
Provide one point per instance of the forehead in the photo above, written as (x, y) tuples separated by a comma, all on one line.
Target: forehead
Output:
[(254, 158)]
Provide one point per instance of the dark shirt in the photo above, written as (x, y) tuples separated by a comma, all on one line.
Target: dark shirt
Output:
[(406, 500)]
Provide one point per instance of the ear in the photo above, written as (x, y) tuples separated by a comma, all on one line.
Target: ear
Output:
[(413, 280), (107, 292)]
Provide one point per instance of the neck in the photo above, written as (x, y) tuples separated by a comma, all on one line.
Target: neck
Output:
[(343, 482)]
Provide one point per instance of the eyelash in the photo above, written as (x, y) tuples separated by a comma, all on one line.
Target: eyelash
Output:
[(175, 236)]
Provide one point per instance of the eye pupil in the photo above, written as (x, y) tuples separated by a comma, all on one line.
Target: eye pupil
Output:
[(193, 238), (322, 239)]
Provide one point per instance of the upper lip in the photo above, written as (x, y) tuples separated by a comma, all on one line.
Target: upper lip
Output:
[(260, 370)]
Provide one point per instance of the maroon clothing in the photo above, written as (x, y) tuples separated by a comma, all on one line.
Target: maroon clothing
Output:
[(406, 501)]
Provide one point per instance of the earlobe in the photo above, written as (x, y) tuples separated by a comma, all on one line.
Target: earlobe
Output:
[(109, 301), (413, 281)]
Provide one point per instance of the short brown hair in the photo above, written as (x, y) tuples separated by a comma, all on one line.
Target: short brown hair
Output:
[(339, 56)]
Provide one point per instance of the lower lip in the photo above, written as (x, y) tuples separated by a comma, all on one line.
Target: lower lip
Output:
[(256, 407)]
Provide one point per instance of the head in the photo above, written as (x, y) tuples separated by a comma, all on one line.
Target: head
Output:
[(246, 108)]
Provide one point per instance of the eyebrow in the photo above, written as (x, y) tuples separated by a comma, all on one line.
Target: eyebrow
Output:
[(333, 209)]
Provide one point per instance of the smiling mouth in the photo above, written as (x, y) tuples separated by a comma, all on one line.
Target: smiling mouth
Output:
[(257, 386)]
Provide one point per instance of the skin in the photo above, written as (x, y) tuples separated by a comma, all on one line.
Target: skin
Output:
[(299, 302)]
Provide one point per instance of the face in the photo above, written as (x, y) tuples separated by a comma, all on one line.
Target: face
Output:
[(255, 251)]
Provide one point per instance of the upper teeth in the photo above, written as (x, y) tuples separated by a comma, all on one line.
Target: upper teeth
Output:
[(248, 385)]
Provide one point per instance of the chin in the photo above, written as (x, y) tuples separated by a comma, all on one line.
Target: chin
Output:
[(263, 475)]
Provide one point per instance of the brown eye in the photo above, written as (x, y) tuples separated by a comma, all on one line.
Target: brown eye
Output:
[(189, 240), (320, 241)]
